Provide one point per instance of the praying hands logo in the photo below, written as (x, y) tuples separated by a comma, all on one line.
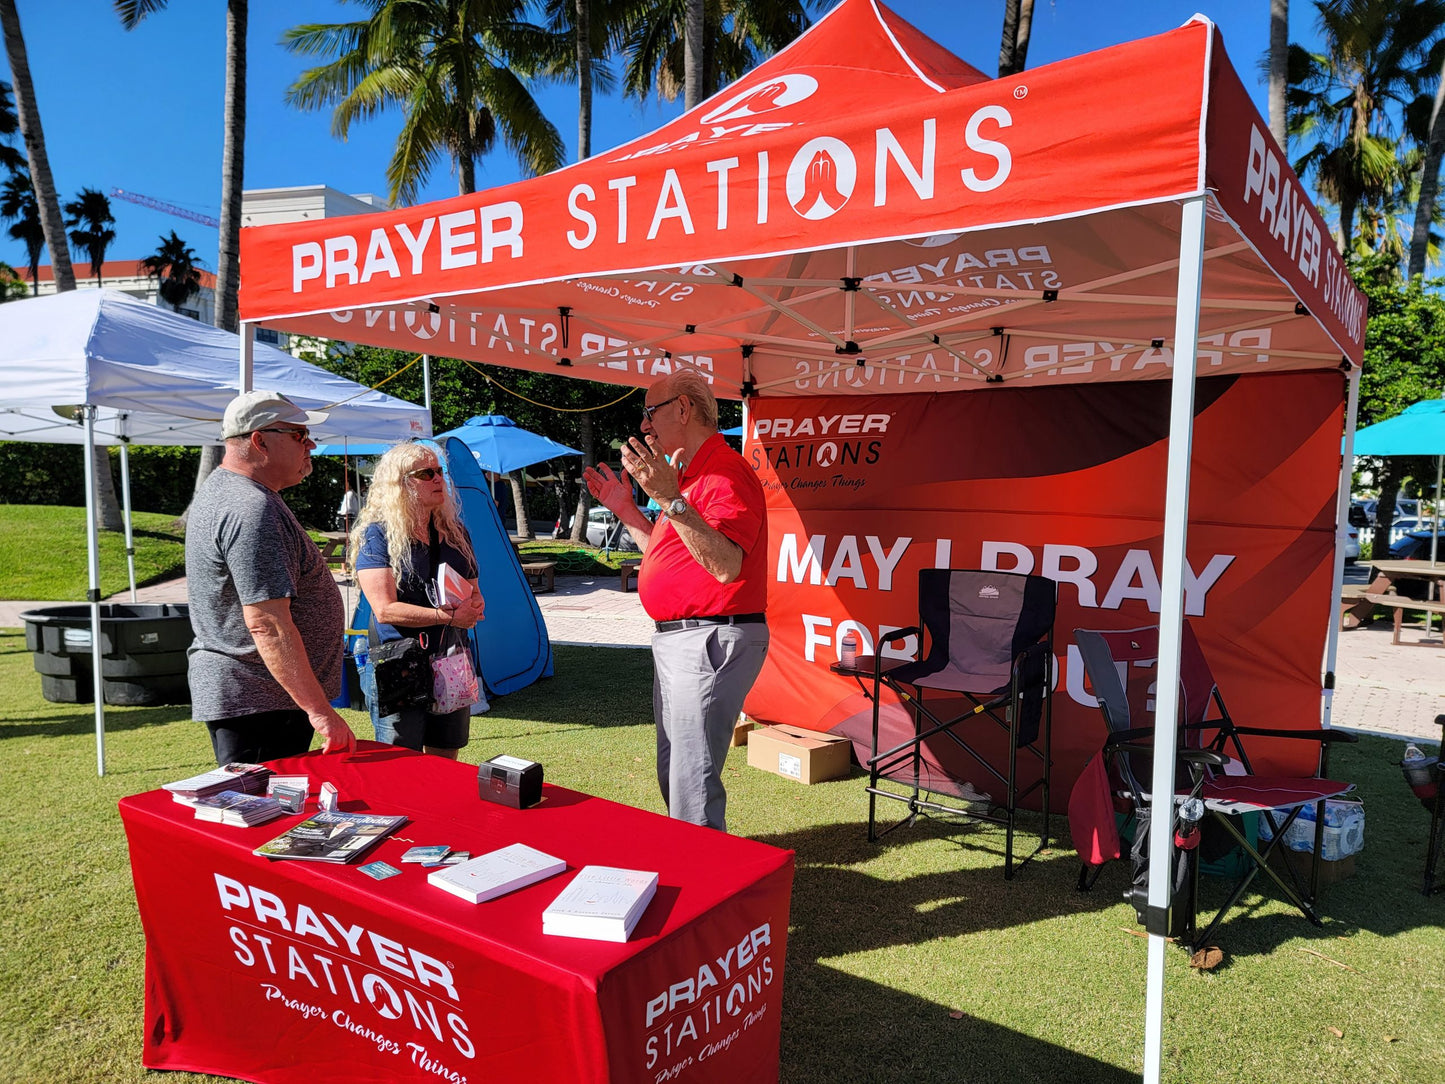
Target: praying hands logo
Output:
[(777, 93), (821, 178)]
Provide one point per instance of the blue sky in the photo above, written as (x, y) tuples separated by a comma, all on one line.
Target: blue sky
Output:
[(141, 110)]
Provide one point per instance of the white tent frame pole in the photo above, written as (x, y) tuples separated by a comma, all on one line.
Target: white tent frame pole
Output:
[(247, 374), (1171, 619), (92, 554), (125, 507), (426, 382), (1342, 524)]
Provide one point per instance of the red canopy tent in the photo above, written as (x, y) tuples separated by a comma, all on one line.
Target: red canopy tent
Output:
[(864, 226)]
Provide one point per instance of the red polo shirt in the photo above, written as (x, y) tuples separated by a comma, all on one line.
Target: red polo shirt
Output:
[(721, 486)]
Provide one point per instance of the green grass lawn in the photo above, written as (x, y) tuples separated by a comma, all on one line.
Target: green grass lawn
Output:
[(913, 960), (43, 554)]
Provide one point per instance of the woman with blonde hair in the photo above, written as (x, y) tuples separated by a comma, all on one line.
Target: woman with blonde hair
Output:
[(411, 526)]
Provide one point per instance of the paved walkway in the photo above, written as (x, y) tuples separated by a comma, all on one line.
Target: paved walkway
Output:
[(1380, 688)]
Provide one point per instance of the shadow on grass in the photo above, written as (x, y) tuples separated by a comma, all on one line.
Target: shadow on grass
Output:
[(70, 720), (910, 1038), (839, 911)]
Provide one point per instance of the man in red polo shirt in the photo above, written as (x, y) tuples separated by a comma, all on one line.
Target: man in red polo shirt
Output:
[(703, 580)]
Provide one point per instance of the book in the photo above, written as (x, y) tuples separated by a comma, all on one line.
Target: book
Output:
[(331, 836), (496, 873), (238, 808), (452, 587), (247, 778), (602, 903)]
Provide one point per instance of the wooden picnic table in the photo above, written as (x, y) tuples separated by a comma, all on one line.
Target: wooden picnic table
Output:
[(1390, 574)]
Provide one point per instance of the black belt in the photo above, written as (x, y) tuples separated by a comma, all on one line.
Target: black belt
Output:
[(694, 622)]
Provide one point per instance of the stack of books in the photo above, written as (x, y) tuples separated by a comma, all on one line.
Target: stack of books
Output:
[(235, 807), (602, 903), (496, 873), (243, 778)]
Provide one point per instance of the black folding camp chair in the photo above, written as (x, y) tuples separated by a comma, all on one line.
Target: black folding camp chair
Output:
[(1215, 777), (990, 652)]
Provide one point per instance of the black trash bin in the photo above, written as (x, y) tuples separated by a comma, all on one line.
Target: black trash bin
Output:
[(143, 653)]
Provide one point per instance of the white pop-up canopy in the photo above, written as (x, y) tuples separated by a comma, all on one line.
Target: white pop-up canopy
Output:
[(156, 377), (101, 367), (865, 215)]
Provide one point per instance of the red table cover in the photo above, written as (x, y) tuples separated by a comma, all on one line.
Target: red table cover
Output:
[(284, 970)]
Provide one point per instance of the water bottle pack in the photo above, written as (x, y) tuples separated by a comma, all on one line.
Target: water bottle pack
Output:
[(1344, 830)]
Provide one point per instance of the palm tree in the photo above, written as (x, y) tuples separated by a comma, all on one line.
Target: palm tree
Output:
[(1278, 71), (1340, 99), (1434, 143), (737, 34), (18, 207), (456, 68), (175, 268), (1013, 52), (233, 159), (27, 113), (11, 157), (89, 219), (580, 38)]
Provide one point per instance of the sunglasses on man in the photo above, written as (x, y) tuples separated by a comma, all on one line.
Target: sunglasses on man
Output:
[(301, 436)]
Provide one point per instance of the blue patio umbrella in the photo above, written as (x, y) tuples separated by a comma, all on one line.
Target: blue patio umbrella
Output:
[(501, 445), (1417, 430)]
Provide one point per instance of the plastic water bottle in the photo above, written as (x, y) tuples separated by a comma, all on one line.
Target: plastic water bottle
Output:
[(848, 649)]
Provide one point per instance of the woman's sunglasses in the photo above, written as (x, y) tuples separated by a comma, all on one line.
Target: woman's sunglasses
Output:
[(426, 474)]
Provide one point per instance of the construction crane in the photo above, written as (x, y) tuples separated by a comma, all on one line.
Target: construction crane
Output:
[(160, 205)]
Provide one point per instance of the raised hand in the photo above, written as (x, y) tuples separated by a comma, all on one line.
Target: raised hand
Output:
[(612, 491)]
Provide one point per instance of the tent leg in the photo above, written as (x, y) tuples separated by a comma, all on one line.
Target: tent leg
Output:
[(125, 501), (1171, 617), (247, 373), (92, 553), (1342, 519)]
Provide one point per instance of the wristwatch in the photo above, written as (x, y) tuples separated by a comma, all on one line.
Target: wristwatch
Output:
[(676, 507)]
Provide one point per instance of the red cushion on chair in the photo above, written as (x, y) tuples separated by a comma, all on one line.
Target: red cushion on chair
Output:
[(1091, 815), (1243, 793)]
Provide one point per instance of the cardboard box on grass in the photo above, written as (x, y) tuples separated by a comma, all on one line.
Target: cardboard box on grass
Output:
[(741, 729), (795, 753)]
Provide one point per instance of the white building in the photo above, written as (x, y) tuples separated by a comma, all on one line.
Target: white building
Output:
[(259, 207)]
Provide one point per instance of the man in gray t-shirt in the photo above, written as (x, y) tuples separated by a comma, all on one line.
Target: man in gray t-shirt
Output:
[(267, 616)]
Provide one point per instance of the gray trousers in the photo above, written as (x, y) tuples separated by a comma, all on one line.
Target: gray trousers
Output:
[(700, 678)]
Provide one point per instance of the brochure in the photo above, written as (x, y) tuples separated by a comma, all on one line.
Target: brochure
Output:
[(603, 903), (496, 873), (331, 836)]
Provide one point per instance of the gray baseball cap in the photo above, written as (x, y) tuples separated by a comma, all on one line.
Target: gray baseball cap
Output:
[(259, 409)]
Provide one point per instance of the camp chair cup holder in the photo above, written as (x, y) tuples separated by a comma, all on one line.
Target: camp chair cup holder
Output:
[(989, 659)]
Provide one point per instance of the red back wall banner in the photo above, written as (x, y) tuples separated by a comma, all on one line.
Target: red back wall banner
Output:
[(1067, 483)]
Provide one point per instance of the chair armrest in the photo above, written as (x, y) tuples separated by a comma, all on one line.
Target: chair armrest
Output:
[(1120, 737), (1312, 735), (899, 634)]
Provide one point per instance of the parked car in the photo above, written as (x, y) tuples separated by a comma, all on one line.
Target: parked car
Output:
[(1352, 545), (603, 529), (1415, 546)]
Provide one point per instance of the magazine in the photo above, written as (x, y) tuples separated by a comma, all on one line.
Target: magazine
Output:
[(328, 836), (602, 903), (451, 586)]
